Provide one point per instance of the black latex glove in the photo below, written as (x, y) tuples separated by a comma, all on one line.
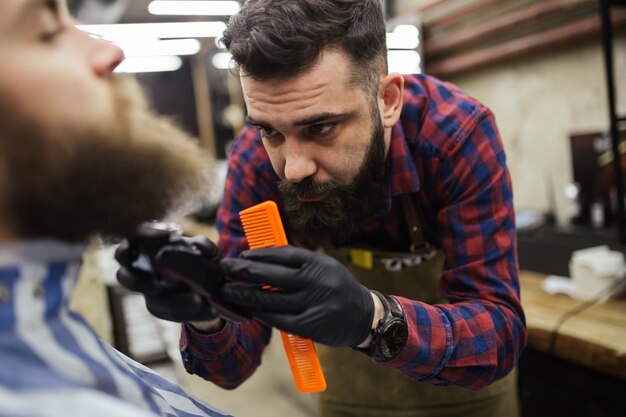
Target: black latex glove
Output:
[(319, 299), (175, 264)]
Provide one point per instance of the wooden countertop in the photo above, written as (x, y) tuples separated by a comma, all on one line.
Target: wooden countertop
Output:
[(595, 338)]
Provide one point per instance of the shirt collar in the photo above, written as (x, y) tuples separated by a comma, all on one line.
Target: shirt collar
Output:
[(36, 281), (39, 251)]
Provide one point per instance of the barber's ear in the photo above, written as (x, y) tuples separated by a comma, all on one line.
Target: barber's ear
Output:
[(391, 94)]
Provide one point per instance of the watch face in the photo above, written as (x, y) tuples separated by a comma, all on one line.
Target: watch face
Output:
[(393, 339)]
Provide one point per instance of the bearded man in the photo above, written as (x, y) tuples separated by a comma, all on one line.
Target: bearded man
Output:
[(81, 154), (402, 182)]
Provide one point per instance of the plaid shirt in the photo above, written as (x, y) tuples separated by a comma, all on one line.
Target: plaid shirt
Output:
[(447, 152)]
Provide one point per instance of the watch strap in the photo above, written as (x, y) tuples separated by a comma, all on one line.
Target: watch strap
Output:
[(392, 312)]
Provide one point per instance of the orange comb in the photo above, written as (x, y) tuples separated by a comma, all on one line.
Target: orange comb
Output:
[(264, 229)]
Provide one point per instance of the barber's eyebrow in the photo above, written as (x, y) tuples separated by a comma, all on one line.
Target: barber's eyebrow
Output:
[(251, 121), (322, 118), (308, 121), (27, 9)]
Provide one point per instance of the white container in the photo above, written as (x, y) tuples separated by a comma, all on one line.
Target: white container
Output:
[(593, 271)]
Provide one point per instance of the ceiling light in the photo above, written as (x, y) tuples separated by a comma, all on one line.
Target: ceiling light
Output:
[(125, 31), (403, 37), (404, 62), (194, 8), (222, 60), (150, 64), (159, 48)]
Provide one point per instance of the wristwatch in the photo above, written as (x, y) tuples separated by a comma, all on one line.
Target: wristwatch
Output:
[(390, 335)]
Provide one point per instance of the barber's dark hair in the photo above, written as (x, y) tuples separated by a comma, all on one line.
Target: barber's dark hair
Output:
[(269, 39)]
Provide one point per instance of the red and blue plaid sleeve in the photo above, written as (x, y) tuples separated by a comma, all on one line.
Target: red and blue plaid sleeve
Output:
[(230, 356), (479, 336)]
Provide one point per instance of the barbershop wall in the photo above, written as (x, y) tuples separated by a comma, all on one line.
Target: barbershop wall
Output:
[(539, 101), (541, 98)]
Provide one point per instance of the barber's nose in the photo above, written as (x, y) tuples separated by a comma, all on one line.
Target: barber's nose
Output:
[(299, 165)]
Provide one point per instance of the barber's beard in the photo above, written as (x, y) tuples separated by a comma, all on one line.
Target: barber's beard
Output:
[(102, 179), (337, 217)]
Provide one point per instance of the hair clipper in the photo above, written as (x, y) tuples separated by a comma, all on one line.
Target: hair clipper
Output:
[(178, 263)]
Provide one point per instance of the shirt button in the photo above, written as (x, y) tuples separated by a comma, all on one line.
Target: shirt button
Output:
[(39, 291), (5, 294)]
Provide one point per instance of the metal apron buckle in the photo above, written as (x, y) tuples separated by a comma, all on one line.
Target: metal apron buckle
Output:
[(397, 263)]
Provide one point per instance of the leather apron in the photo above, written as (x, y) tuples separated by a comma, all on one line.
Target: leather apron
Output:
[(359, 387)]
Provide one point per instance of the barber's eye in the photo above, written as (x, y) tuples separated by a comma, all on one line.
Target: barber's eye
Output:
[(266, 131), (322, 128)]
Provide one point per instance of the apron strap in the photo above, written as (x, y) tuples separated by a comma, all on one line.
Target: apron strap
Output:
[(416, 233)]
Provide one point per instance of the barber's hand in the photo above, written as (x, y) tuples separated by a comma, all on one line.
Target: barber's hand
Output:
[(163, 301), (319, 299)]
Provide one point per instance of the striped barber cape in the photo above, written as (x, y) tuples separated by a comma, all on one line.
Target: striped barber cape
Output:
[(51, 361)]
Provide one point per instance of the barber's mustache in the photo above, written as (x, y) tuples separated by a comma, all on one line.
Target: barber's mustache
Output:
[(308, 187)]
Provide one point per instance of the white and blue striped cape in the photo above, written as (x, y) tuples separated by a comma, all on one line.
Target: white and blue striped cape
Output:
[(51, 361)]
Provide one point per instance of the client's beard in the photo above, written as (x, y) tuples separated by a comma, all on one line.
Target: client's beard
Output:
[(337, 217), (102, 179)]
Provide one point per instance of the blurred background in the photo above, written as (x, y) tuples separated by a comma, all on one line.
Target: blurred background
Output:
[(552, 71), (537, 64)]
